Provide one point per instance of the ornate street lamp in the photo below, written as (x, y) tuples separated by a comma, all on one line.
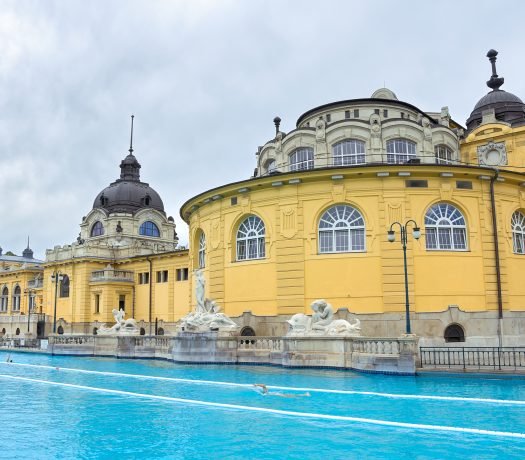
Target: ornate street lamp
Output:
[(416, 233), (56, 277)]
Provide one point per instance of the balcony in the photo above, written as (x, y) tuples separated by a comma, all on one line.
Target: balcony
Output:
[(111, 275), (37, 283)]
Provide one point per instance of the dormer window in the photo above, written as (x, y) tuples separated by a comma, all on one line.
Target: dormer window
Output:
[(146, 200)]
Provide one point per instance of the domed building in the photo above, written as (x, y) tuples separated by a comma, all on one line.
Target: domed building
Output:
[(331, 201), (125, 257)]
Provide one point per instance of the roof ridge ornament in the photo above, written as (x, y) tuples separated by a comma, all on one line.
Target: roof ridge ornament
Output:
[(495, 82)]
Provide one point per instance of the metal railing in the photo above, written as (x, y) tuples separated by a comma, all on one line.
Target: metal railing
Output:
[(488, 358)]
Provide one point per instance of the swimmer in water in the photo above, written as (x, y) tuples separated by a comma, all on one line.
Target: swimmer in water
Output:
[(264, 391)]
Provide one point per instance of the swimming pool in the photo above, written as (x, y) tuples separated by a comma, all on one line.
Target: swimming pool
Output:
[(72, 407)]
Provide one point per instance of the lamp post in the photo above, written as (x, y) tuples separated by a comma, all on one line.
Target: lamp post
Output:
[(56, 277), (416, 233), (30, 300)]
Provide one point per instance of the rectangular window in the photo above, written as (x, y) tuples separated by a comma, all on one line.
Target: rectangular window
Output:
[(144, 278), (182, 274), (385, 113), (122, 302), (356, 113), (162, 276), (97, 303), (376, 111), (402, 114), (417, 183), (347, 113), (464, 184), (233, 200), (328, 117)]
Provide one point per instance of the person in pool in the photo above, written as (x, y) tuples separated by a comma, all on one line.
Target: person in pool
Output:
[(263, 389)]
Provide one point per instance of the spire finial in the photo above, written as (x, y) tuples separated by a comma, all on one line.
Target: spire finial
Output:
[(27, 241), (131, 139), (494, 81), (277, 123)]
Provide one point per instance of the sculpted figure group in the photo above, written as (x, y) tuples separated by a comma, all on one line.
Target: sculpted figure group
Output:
[(121, 327), (322, 322)]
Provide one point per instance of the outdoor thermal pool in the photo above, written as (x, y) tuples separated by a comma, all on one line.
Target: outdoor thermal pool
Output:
[(70, 407)]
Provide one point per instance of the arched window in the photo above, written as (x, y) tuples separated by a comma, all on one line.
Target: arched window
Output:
[(445, 228), (271, 166), (250, 239), (142, 331), (302, 158), (4, 299), (64, 286), (247, 331), (17, 332), (341, 229), (60, 330), (149, 228), (443, 154), (454, 333), (518, 232), (202, 250), (400, 151), (349, 152), (160, 331), (95, 330), (16, 298), (97, 229)]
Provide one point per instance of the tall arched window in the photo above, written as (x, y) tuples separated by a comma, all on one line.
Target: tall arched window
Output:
[(97, 229), (271, 166), (64, 286), (445, 228), (4, 299), (16, 298), (302, 158), (443, 154), (202, 250), (399, 151), (250, 239), (149, 228), (349, 152), (341, 229), (518, 232)]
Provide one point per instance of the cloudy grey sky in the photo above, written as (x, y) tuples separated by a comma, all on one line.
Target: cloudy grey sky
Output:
[(204, 80)]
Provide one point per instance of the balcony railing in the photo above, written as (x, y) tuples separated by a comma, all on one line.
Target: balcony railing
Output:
[(110, 274)]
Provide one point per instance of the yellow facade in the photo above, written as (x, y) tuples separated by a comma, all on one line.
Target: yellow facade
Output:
[(340, 155)]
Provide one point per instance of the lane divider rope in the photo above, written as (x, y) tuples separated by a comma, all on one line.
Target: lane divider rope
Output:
[(277, 387), (415, 426)]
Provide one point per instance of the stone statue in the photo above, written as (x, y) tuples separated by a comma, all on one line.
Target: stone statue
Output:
[(322, 323), (320, 129), (207, 315), (121, 327)]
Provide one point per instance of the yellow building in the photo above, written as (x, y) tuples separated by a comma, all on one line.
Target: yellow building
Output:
[(316, 221)]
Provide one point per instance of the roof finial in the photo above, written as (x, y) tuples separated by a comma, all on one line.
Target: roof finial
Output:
[(27, 241), (277, 122), (131, 139), (494, 81)]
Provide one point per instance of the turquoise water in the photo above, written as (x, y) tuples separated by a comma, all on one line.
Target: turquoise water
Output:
[(48, 410)]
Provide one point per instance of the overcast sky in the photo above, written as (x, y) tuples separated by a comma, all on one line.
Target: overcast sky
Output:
[(205, 80)]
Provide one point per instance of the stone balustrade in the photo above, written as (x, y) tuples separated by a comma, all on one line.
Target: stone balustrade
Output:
[(372, 354), (110, 274)]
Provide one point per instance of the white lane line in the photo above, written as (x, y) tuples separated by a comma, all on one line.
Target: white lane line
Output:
[(415, 426), (277, 387)]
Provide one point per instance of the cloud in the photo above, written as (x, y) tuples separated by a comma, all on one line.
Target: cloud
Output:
[(205, 79)]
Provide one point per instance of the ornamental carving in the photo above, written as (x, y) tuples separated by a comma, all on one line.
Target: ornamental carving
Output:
[(492, 154), (288, 222)]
